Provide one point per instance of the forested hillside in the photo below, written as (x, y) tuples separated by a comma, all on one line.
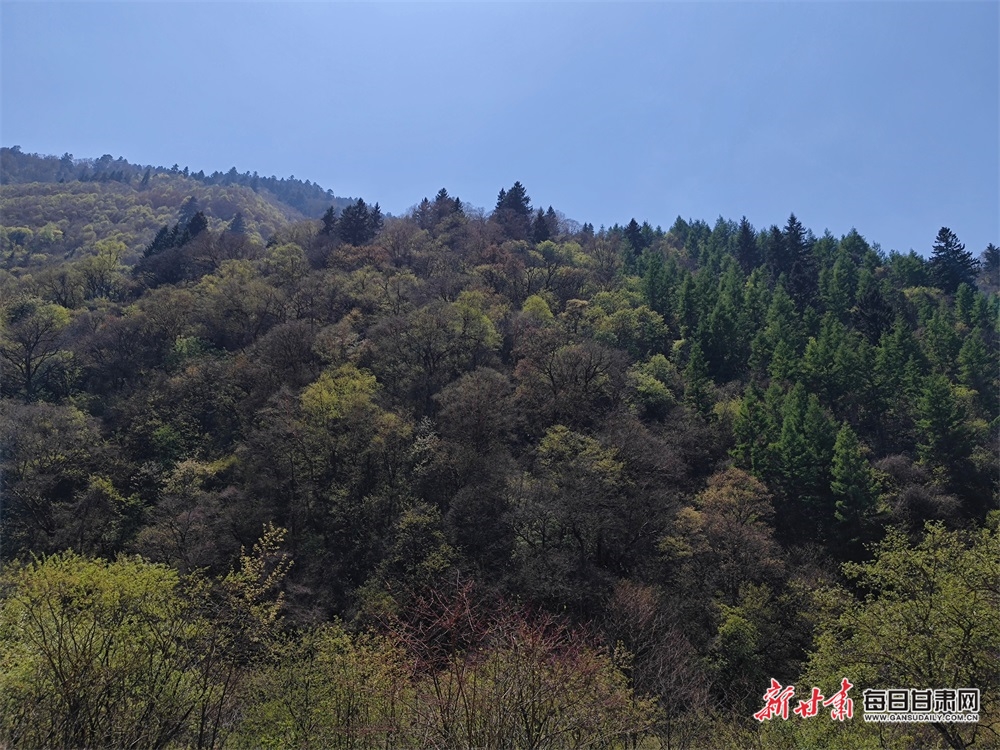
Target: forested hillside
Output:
[(463, 479), (17, 167)]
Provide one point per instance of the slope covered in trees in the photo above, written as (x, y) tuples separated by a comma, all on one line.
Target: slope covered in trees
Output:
[(622, 468), (17, 167)]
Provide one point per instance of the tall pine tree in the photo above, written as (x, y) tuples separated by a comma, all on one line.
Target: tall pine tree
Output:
[(951, 264), (853, 489)]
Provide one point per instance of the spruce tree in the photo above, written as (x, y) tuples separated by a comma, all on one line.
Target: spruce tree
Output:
[(989, 268), (375, 222), (329, 221), (951, 264), (656, 284), (696, 381), (513, 212), (553, 221), (747, 250), (196, 226), (540, 228), (872, 314), (841, 283), (238, 224), (943, 437), (188, 209), (853, 489), (444, 206), (353, 226), (633, 235), (755, 431), (978, 370), (775, 256), (802, 269), (941, 342), (424, 214), (163, 240), (804, 450)]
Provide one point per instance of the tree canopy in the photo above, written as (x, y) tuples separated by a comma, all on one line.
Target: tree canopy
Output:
[(520, 464)]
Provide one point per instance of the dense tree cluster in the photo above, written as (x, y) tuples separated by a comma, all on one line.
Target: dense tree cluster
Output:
[(536, 481)]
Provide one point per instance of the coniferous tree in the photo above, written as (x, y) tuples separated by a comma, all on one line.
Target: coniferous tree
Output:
[(696, 391), (978, 370), (951, 264), (775, 255), (756, 432), (354, 225), (853, 489), (943, 440), (330, 221), (540, 228), (552, 220), (163, 240), (443, 206), (238, 225), (782, 328), (726, 348), (188, 209), (989, 269), (513, 212), (633, 235), (196, 226), (855, 246), (989, 263), (424, 214), (804, 450), (965, 300), (841, 283), (685, 304), (991, 259), (941, 342), (897, 350), (375, 221), (872, 314), (656, 283), (747, 249), (802, 270)]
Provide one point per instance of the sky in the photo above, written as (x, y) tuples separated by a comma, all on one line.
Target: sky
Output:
[(882, 116)]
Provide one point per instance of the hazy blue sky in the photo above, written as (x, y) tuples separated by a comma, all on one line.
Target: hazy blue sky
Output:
[(882, 116)]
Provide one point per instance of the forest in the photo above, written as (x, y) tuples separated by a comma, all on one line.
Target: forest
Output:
[(281, 470)]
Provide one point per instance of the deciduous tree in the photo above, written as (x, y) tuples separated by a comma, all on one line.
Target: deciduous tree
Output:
[(930, 619)]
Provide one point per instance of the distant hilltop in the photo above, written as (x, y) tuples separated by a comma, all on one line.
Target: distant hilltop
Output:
[(305, 197)]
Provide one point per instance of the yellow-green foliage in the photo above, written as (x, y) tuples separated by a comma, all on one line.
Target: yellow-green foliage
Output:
[(345, 390), (96, 654), (537, 309), (67, 219), (327, 689), (930, 619), (129, 653)]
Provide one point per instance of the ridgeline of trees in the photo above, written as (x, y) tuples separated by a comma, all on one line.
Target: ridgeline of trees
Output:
[(495, 480), (16, 168)]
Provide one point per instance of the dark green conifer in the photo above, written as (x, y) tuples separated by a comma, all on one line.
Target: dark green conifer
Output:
[(354, 225), (951, 264), (329, 221), (854, 493), (747, 250)]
